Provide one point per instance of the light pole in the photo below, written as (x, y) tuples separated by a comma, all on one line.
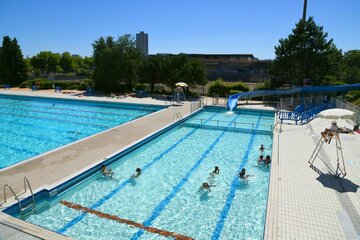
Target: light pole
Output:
[(304, 10), (305, 57)]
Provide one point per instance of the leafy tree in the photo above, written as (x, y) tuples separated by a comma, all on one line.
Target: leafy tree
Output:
[(12, 65), (194, 73), (115, 62), (351, 66), (46, 62), (175, 69), (67, 62), (170, 69), (150, 70), (89, 63), (29, 68), (305, 53)]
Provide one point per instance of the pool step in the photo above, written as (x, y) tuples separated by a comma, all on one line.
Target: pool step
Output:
[(28, 210)]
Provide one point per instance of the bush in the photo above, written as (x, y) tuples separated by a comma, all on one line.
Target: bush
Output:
[(73, 87), (218, 87), (140, 87), (85, 84), (221, 88), (27, 84), (352, 96), (41, 83), (357, 102), (64, 85), (240, 86), (263, 86), (124, 88), (234, 92)]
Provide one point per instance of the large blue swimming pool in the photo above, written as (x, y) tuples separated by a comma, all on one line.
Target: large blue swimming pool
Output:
[(31, 126), (165, 200)]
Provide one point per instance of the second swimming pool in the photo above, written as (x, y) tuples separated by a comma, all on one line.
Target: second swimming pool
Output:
[(165, 199), (31, 126)]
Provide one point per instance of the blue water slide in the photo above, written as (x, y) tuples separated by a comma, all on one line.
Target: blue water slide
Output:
[(232, 101)]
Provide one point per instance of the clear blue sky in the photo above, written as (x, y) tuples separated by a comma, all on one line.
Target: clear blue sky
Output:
[(188, 26)]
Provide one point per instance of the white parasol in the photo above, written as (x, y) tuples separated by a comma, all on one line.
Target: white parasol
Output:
[(336, 113), (181, 84)]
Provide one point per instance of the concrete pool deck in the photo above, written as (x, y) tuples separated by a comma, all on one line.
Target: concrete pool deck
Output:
[(299, 205)]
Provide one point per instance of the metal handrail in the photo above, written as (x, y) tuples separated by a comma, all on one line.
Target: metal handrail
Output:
[(177, 116), (26, 181), (234, 123), (16, 197)]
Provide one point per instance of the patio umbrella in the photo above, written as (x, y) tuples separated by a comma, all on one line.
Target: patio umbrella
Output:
[(336, 113), (181, 84), (341, 185)]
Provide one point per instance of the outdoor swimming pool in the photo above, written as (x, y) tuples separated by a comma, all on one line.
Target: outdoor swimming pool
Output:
[(31, 126), (164, 200)]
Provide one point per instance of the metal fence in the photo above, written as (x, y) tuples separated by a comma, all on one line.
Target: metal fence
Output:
[(290, 103), (340, 103), (196, 105)]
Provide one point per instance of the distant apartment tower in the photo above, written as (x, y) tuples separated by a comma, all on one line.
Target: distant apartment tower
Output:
[(142, 42)]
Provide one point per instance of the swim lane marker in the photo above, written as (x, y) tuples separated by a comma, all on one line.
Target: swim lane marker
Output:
[(126, 221)]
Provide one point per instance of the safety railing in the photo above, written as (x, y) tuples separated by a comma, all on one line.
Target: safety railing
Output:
[(302, 117), (27, 185), (177, 116), (195, 106), (340, 103), (22, 209), (12, 191), (222, 123)]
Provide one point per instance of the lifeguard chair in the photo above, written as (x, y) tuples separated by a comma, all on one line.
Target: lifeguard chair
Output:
[(178, 95), (328, 138)]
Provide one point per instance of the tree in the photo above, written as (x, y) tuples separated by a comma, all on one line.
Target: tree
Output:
[(194, 73), (351, 66), (170, 69), (12, 65), (305, 54), (67, 62), (115, 62), (175, 69), (46, 62), (150, 70)]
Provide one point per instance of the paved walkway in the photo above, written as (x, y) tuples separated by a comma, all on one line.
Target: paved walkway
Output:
[(300, 206)]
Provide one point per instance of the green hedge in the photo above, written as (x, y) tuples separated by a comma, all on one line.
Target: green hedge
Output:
[(140, 87), (64, 85), (43, 83), (222, 89), (263, 86), (234, 92)]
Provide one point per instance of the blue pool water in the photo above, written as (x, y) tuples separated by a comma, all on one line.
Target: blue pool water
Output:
[(166, 195), (32, 126)]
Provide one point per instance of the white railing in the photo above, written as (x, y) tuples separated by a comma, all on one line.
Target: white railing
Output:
[(26, 185), (195, 105), (177, 116), (349, 106), (221, 123)]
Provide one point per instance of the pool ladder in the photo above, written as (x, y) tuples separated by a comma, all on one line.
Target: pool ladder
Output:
[(177, 116), (24, 210)]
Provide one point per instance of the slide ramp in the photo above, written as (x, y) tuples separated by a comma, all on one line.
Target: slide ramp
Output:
[(232, 101)]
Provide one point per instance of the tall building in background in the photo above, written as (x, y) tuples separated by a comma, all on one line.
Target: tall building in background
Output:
[(142, 42)]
